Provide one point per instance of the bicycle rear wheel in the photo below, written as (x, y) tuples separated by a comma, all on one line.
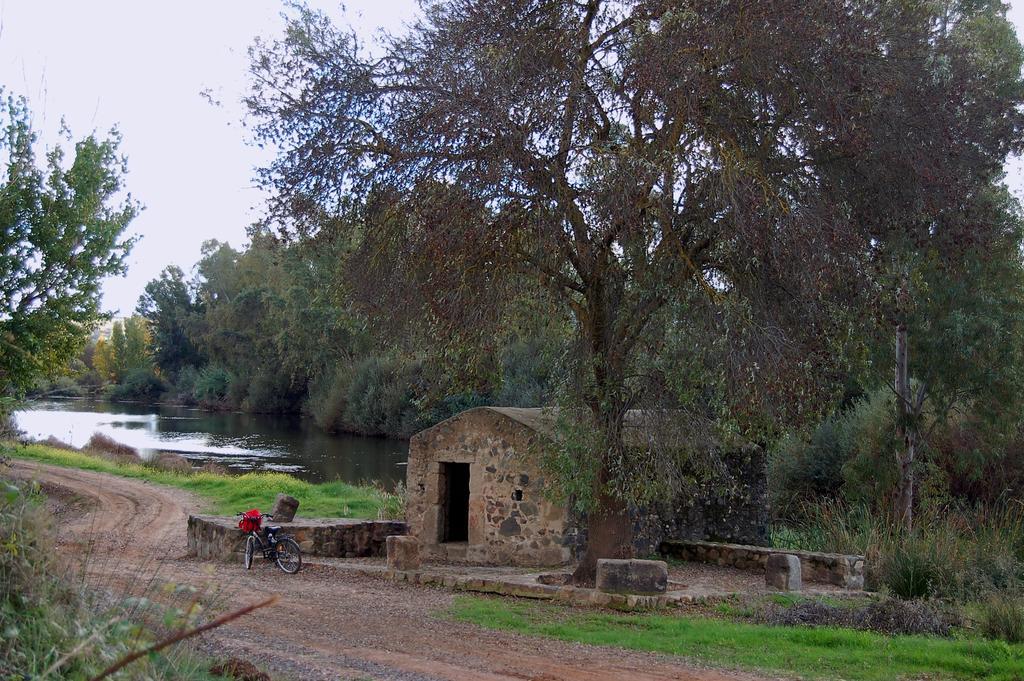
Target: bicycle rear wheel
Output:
[(250, 548), (289, 556)]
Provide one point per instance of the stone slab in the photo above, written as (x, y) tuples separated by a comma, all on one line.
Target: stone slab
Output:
[(782, 572), (644, 577), (285, 508), (403, 553)]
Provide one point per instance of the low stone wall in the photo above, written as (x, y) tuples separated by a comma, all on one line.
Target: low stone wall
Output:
[(829, 568), (218, 537)]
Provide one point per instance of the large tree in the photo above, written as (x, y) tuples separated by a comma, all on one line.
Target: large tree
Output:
[(170, 306), (656, 170), (63, 233)]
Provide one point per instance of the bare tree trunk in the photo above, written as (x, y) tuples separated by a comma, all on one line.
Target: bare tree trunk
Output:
[(907, 409)]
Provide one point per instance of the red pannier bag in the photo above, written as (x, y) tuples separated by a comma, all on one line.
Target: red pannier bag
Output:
[(250, 521)]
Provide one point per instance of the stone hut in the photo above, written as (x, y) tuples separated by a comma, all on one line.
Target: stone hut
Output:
[(476, 495)]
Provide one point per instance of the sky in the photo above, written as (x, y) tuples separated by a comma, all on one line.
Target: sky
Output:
[(142, 65)]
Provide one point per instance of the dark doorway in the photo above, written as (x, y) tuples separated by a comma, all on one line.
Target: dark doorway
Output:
[(455, 527)]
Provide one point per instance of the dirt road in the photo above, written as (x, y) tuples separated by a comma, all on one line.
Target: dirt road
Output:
[(327, 624)]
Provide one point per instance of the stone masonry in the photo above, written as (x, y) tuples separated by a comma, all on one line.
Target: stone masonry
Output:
[(838, 569), (508, 520), (475, 494), (218, 537)]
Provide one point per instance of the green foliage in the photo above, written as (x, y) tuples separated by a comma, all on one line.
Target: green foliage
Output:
[(55, 626), (1003, 618), (139, 384), (381, 398), (227, 494), (126, 351), (955, 552), (172, 311), (851, 452), (211, 385), (825, 653), (63, 234), (911, 569)]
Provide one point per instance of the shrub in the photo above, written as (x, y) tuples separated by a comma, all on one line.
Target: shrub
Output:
[(909, 569), (139, 384), (849, 452), (328, 398), (211, 385), (65, 629), (111, 449), (381, 398), (184, 387), (270, 392), (1003, 618), (65, 386), (168, 461), (58, 444)]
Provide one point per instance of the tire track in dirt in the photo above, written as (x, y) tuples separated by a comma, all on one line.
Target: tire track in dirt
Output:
[(327, 624)]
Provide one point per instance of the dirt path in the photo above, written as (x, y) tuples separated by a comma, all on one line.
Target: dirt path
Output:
[(328, 624)]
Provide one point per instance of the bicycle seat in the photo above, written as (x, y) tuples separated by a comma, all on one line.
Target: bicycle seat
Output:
[(273, 529)]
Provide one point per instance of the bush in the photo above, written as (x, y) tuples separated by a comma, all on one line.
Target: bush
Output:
[(381, 398), (954, 552), (184, 387), (328, 398), (139, 384), (211, 386), (168, 461), (65, 629), (111, 449), (272, 393), (910, 569), (1003, 618), (849, 452)]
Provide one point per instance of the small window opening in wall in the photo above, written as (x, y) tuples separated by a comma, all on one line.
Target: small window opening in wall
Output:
[(517, 495)]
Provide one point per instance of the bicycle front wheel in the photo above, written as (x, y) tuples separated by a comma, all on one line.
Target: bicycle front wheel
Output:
[(289, 557), (250, 548)]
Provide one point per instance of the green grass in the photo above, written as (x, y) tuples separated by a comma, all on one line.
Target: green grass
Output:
[(798, 651), (228, 494)]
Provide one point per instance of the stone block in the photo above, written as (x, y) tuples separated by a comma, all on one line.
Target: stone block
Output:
[(632, 576), (782, 572), (284, 508), (403, 553)]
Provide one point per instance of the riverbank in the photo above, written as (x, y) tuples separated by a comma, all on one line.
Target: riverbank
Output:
[(227, 494), (242, 442)]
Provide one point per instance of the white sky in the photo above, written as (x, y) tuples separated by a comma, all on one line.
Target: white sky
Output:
[(141, 64)]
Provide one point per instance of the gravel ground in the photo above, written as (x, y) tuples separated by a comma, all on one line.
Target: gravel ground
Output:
[(328, 623)]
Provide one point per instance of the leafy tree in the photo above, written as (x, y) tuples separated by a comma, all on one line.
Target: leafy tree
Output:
[(715, 172), (171, 310), (945, 238), (128, 350), (63, 233)]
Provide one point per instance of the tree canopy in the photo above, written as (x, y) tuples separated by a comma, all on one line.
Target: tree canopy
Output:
[(730, 174), (63, 231)]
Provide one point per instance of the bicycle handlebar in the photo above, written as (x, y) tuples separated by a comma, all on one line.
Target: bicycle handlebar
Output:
[(262, 515)]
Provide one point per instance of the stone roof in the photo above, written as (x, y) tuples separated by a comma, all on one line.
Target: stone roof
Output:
[(637, 430)]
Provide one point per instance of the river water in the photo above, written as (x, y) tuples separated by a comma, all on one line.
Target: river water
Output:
[(242, 442)]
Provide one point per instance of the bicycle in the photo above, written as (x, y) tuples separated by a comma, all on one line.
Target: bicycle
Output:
[(284, 550)]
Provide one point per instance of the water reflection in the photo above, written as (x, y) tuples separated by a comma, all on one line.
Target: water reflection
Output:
[(240, 441)]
